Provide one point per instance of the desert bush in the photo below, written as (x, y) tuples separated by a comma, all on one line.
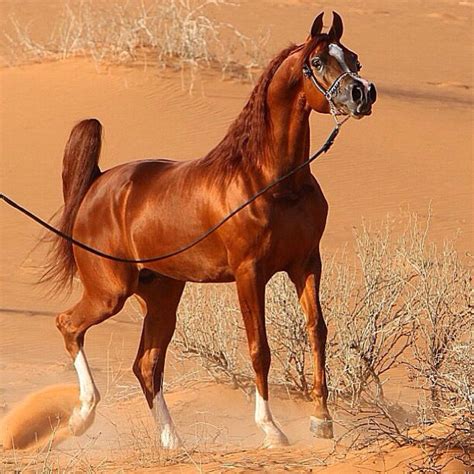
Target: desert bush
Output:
[(367, 306), (442, 356), (173, 33), (400, 301), (287, 337), (437, 299), (208, 329)]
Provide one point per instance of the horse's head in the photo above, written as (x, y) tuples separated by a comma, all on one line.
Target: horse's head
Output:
[(332, 71)]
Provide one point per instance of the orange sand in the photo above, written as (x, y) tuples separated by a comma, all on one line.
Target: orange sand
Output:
[(40, 418)]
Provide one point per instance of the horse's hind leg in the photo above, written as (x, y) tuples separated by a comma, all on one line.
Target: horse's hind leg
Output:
[(161, 296), (101, 300)]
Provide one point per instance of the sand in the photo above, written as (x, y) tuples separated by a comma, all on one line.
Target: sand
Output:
[(412, 154), (42, 417)]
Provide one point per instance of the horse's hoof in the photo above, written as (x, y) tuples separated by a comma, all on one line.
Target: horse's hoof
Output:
[(77, 424), (276, 440), (169, 438), (321, 428)]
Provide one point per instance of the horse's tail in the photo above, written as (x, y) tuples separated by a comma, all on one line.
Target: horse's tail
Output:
[(80, 170)]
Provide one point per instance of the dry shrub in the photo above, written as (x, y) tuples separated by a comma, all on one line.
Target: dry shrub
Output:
[(208, 328), (288, 337), (173, 33), (442, 360), (367, 306), (402, 301), (436, 302)]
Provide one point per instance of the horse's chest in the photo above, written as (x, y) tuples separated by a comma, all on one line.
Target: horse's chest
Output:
[(295, 225)]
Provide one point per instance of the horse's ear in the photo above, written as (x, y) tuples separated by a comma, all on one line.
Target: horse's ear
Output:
[(337, 27), (317, 25)]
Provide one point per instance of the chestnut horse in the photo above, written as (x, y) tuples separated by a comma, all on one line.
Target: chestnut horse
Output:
[(151, 207)]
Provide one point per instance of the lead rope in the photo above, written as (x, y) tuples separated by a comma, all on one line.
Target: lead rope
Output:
[(323, 149)]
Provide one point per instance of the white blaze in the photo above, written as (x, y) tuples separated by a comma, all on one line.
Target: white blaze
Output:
[(336, 52)]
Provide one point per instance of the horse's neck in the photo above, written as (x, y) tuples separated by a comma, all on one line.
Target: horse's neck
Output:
[(290, 133)]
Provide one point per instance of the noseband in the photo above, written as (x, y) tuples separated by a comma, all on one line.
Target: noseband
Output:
[(332, 91)]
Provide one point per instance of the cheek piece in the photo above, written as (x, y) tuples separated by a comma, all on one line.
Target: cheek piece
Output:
[(333, 89)]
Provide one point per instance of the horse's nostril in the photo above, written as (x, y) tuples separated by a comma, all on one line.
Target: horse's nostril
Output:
[(357, 93), (372, 93)]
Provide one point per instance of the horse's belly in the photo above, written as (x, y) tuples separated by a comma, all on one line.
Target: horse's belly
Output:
[(198, 270)]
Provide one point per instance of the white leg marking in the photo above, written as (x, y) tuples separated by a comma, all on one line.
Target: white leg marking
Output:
[(264, 419), (169, 436), (88, 395)]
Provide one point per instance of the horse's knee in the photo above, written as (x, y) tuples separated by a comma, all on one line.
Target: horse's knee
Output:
[(74, 323), (63, 322), (261, 358)]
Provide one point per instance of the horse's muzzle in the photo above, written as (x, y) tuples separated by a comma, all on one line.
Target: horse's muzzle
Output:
[(362, 95), (372, 93)]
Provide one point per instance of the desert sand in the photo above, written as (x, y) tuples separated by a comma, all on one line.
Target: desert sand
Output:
[(412, 154)]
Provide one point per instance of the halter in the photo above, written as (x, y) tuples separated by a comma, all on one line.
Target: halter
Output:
[(332, 91)]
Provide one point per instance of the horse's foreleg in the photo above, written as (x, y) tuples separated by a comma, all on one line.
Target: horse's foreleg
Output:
[(73, 325), (251, 293), (307, 282), (161, 298)]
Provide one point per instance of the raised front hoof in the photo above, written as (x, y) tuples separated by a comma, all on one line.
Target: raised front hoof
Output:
[(275, 441), (321, 428)]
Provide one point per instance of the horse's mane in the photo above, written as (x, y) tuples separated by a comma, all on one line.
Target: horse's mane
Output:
[(247, 136)]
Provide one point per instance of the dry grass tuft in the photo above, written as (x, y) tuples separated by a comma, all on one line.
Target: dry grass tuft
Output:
[(162, 33)]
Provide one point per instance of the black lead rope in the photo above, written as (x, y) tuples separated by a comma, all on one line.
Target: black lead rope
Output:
[(324, 148)]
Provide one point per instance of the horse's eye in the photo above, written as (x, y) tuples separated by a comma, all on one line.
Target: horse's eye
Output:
[(317, 63), (358, 65)]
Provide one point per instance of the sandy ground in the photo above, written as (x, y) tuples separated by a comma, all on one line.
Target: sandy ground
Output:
[(413, 153)]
